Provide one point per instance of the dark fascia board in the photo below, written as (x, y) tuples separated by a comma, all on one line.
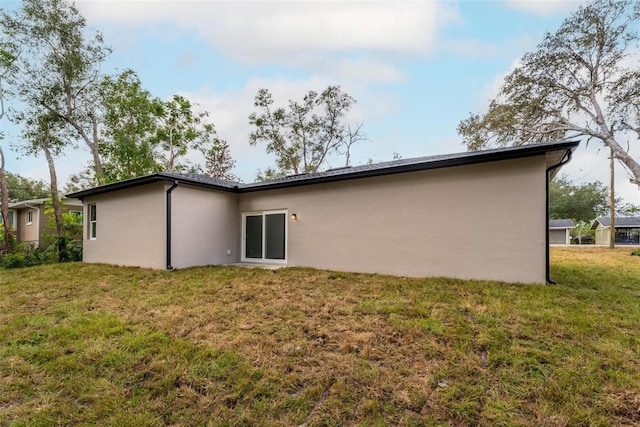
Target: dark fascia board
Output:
[(389, 168), (150, 179), (462, 159)]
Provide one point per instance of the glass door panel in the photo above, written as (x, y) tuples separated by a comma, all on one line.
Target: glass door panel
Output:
[(275, 236), (253, 239)]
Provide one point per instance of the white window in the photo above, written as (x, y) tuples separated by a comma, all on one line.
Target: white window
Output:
[(78, 213), (93, 221), (30, 217), (264, 236)]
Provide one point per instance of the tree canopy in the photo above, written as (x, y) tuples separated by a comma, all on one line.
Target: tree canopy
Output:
[(59, 67), (129, 132), (582, 203), (127, 145), (304, 135), (21, 188), (581, 81)]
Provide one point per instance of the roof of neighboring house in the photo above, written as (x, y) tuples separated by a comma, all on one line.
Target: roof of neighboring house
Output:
[(67, 201), (621, 222), (554, 152), (561, 223)]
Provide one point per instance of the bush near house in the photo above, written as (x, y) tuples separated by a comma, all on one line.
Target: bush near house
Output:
[(85, 344), (52, 248)]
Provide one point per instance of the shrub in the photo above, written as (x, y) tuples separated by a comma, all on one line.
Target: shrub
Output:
[(14, 261)]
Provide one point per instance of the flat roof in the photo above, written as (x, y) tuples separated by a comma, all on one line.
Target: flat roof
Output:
[(28, 203), (554, 152)]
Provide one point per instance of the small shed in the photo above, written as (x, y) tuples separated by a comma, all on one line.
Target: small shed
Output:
[(627, 230), (559, 233)]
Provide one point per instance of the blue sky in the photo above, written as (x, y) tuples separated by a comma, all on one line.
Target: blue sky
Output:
[(416, 68)]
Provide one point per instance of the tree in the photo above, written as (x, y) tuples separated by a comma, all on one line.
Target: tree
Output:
[(127, 146), (218, 161), (303, 136), (21, 188), (582, 81), (9, 53), (180, 129), (43, 134), (60, 66), (582, 203)]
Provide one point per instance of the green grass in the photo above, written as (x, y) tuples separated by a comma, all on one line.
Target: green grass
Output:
[(88, 344)]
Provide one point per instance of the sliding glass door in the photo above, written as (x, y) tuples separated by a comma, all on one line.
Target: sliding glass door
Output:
[(264, 236)]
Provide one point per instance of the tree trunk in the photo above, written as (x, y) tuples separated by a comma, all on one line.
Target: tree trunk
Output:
[(612, 205), (632, 165), (4, 207), (57, 207)]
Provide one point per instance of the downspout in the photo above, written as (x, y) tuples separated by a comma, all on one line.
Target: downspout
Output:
[(565, 159), (173, 187)]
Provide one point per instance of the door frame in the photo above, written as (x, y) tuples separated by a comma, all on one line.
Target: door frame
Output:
[(243, 237)]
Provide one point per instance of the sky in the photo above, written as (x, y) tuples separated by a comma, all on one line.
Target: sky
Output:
[(416, 68)]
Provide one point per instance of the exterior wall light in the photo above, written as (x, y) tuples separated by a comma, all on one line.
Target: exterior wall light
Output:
[(294, 217)]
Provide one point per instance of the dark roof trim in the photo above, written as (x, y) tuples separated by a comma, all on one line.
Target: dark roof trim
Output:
[(561, 223), (151, 179), (413, 165), (342, 174)]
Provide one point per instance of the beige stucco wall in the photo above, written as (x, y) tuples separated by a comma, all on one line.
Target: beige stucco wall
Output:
[(484, 221), (28, 232), (205, 226), (602, 235), (130, 227)]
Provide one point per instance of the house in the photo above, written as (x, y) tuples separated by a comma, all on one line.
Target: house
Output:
[(29, 219), (559, 233), (458, 215), (627, 230)]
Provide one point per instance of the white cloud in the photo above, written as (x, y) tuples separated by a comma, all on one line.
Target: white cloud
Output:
[(545, 7), (262, 31)]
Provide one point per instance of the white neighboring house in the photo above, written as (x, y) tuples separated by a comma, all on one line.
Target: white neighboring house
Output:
[(559, 231)]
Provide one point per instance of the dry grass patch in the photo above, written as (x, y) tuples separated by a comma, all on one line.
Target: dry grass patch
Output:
[(82, 344)]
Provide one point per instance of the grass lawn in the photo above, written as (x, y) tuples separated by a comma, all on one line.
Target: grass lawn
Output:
[(88, 344)]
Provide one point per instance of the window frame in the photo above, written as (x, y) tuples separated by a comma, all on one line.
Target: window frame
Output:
[(264, 214), (13, 219), (92, 221), (30, 217)]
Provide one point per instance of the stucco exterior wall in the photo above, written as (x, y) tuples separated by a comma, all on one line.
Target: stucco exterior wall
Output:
[(602, 235), (130, 227), (205, 226), (483, 221), (559, 237), (28, 232)]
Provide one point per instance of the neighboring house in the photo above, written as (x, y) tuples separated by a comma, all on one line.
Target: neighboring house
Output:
[(472, 215), (627, 230), (29, 220), (559, 233)]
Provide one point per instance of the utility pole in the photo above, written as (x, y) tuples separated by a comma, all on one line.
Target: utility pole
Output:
[(612, 207)]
